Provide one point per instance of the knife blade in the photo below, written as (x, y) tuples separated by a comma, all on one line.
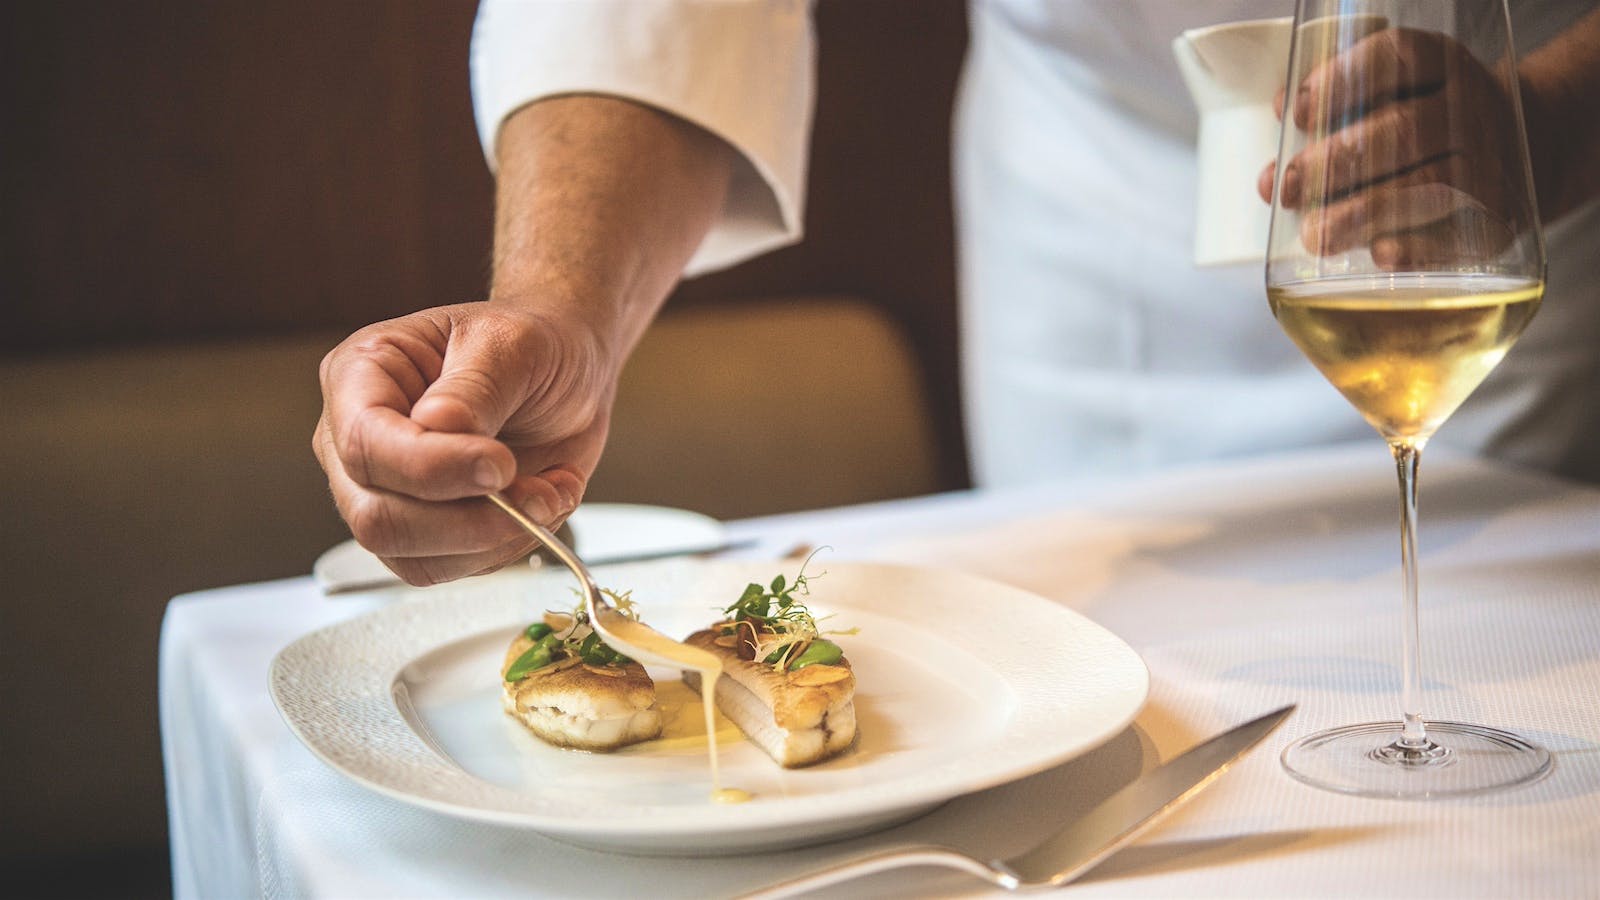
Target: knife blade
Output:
[(375, 576), (1121, 817), (1073, 851)]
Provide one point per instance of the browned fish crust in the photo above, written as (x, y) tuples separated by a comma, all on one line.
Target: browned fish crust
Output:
[(583, 707), (777, 713)]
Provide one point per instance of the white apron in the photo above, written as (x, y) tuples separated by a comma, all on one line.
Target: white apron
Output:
[(1093, 344)]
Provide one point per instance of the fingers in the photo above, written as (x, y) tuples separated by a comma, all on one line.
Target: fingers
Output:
[(1389, 165), (1387, 65), (368, 387), (1418, 219), (1421, 197), (381, 448), (1416, 249), (1470, 234), (482, 379), (425, 571), (433, 543), (394, 525), (423, 415), (428, 542), (1393, 139)]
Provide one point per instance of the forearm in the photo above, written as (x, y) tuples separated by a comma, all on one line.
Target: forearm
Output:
[(1561, 93), (599, 204)]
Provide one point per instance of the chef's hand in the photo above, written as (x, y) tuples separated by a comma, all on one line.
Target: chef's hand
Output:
[(600, 203), (1417, 162), (424, 414)]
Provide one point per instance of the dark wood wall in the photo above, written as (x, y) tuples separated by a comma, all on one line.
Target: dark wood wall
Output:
[(189, 169)]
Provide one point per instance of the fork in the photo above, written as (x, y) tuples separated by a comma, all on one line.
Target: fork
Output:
[(1071, 852)]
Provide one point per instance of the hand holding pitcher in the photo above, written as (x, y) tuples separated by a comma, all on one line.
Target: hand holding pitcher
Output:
[(1406, 144)]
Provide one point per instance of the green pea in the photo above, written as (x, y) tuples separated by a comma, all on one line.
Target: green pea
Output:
[(593, 652), (775, 655), (537, 630), (820, 653), (532, 659)]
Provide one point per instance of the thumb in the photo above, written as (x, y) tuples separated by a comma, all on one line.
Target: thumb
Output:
[(481, 383)]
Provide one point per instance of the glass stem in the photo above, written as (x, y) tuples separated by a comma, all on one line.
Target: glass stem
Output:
[(1412, 733)]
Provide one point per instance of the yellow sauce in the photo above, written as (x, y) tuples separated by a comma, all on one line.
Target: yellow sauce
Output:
[(709, 667), (683, 722)]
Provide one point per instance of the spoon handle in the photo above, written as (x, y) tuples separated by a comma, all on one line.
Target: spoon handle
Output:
[(554, 544)]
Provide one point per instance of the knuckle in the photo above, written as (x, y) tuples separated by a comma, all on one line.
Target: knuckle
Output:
[(1343, 154), (318, 439), (356, 445), (1328, 234), (364, 523), (374, 525), (325, 367), (363, 342), (1335, 220), (1410, 45)]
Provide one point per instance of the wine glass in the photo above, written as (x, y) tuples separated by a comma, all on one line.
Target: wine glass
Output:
[(1404, 258)]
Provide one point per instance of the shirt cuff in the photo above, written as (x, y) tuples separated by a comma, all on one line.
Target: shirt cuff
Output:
[(741, 69)]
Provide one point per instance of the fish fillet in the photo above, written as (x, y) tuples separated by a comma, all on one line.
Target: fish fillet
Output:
[(795, 724), (583, 707)]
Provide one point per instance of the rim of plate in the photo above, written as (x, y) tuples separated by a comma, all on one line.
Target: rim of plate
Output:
[(334, 688)]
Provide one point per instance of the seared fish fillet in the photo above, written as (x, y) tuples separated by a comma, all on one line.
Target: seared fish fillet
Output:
[(796, 718), (570, 704)]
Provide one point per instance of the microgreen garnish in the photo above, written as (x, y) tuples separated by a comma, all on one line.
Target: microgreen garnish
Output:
[(772, 622), (758, 601), (576, 639)]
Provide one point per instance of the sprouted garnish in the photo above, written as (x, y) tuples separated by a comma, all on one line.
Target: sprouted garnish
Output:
[(771, 623), (568, 635)]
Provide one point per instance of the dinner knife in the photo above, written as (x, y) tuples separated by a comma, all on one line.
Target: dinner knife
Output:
[(1073, 851), (375, 576)]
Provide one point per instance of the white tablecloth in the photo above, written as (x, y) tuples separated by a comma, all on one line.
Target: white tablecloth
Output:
[(1243, 586)]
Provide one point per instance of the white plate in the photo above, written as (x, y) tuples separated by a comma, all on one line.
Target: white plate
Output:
[(601, 531), (963, 684)]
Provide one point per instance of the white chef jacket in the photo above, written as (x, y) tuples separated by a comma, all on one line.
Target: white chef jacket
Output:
[(1091, 343)]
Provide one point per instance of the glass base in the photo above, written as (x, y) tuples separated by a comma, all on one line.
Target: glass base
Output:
[(1371, 761)]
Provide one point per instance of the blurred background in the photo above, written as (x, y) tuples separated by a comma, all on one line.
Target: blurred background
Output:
[(201, 198)]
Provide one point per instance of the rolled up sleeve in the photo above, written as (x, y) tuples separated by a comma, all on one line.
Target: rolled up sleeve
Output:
[(741, 69)]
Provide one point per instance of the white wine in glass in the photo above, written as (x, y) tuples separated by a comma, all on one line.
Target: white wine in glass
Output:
[(1404, 259), (1406, 350)]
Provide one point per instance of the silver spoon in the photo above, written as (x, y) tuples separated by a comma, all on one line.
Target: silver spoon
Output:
[(621, 633)]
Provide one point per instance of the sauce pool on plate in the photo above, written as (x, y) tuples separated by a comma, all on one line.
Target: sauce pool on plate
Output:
[(709, 668)]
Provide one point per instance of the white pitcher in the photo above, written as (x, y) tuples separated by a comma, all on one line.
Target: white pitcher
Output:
[(1234, 71)]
